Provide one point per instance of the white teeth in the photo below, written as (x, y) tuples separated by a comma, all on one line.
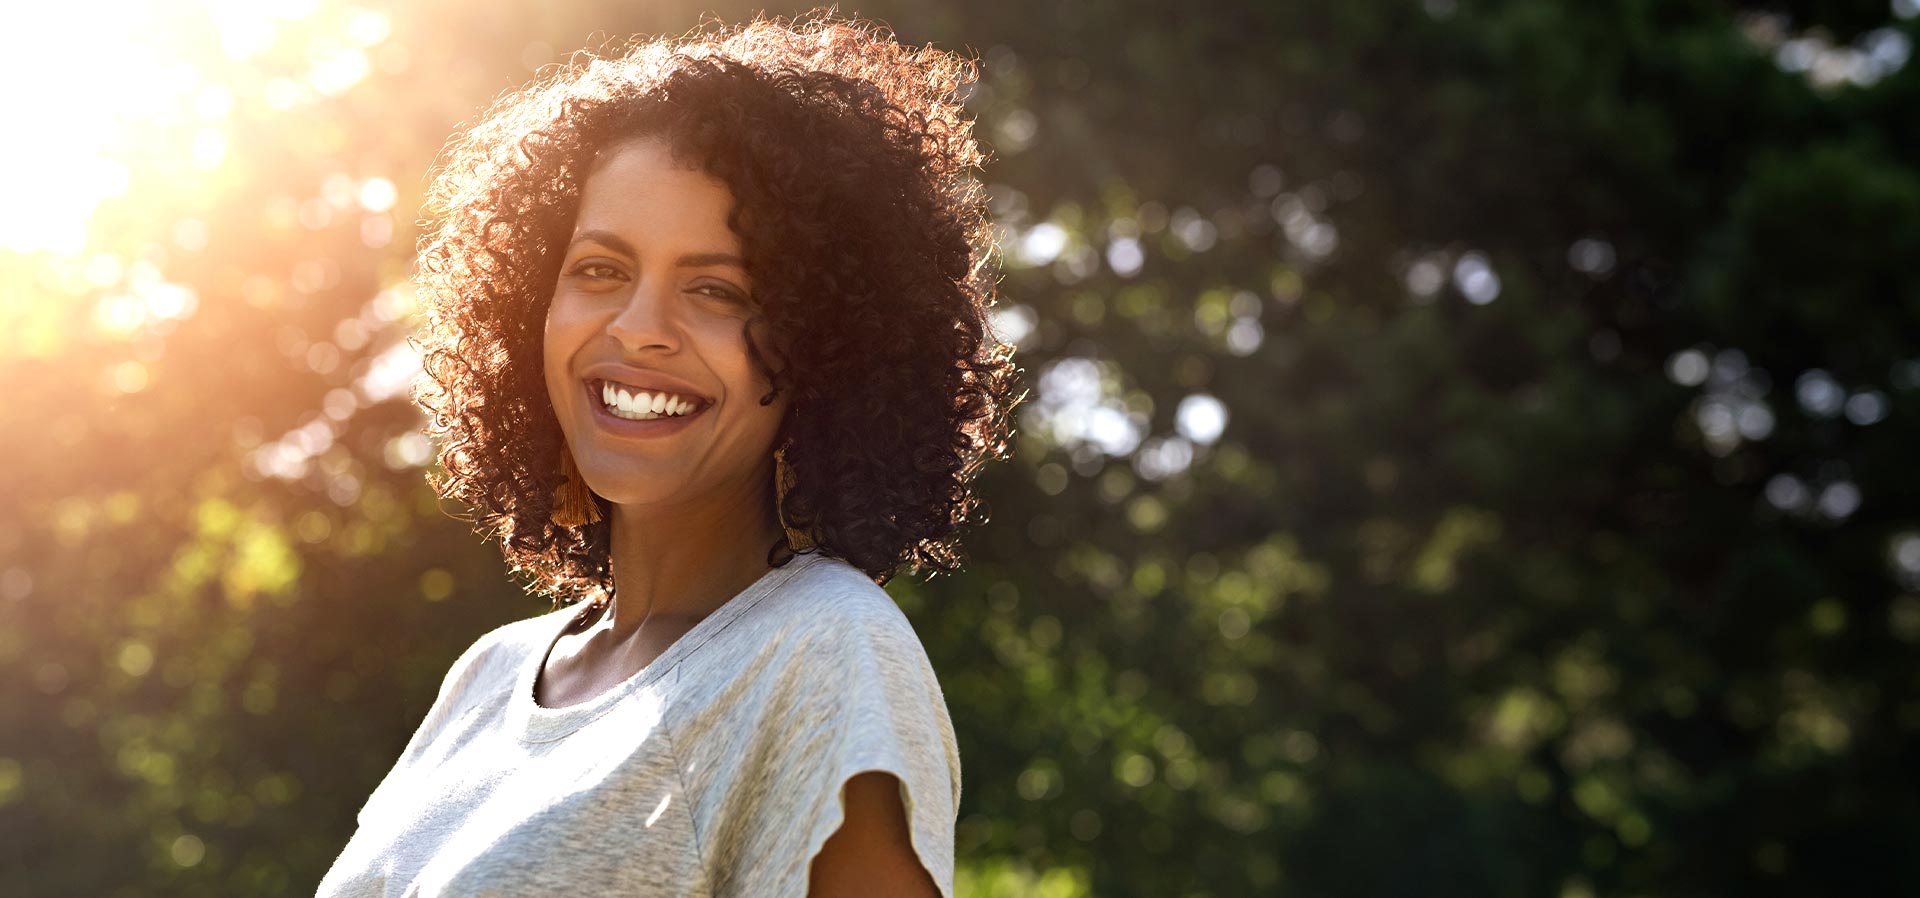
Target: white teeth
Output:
[(642, 406)]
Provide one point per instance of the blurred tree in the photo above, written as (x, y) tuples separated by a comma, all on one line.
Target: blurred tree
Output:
[(1470, 454)]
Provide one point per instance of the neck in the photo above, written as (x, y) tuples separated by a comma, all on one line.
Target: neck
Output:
[(687, 559)]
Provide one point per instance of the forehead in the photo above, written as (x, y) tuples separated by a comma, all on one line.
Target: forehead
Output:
[(638, 190)]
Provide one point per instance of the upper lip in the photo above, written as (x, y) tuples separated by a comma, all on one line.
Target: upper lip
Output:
[(644, 379)]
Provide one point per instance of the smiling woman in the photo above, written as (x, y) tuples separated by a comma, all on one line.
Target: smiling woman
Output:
[(644, 340), (707, 350), (837, 167)]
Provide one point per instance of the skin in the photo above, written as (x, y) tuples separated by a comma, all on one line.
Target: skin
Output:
[(693, 512), (871, 853)]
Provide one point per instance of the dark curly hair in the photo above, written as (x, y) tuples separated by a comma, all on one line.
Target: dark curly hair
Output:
[(850, 160)]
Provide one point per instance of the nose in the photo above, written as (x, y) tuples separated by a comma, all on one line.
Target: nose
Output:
[(650, 317)]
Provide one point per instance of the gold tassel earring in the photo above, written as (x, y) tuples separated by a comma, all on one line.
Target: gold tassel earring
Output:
[(783, 480), (573, 504)]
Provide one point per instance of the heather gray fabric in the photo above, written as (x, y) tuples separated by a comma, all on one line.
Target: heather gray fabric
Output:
[(716, 771)]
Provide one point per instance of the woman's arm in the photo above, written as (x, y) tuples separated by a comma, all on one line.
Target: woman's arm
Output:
[(871, 854)]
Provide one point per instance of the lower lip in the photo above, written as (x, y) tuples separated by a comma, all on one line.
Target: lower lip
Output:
[(654, 427)]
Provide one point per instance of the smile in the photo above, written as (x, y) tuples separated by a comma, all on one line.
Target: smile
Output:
[(627, 411), (636, 404)]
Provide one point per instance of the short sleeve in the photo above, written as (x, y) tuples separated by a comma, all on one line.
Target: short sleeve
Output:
[(854, 696)]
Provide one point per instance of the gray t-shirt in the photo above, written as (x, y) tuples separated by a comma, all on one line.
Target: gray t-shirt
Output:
[(715, 771)]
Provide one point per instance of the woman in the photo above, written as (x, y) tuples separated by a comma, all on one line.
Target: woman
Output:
[(694, 310)]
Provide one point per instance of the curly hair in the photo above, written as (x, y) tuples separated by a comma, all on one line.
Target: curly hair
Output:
[(850, 161)]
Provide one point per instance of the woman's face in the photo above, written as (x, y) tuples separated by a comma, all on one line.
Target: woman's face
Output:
[(650, 299)]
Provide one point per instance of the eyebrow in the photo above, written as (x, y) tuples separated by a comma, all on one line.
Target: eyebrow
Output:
[(690, 260)]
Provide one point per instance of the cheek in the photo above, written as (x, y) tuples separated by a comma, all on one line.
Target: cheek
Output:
[(563, 334), (568, 323), (725, 350)]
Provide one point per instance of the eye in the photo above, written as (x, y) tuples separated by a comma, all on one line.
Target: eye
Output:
[(722, 292), (586, 269)]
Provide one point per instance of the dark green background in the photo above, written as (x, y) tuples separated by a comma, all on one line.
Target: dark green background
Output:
[(1601, 583)]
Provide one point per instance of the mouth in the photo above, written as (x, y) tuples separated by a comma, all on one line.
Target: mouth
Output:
[(629, 403)]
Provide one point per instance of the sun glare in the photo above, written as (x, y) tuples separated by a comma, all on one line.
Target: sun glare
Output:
[(101, 90)]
